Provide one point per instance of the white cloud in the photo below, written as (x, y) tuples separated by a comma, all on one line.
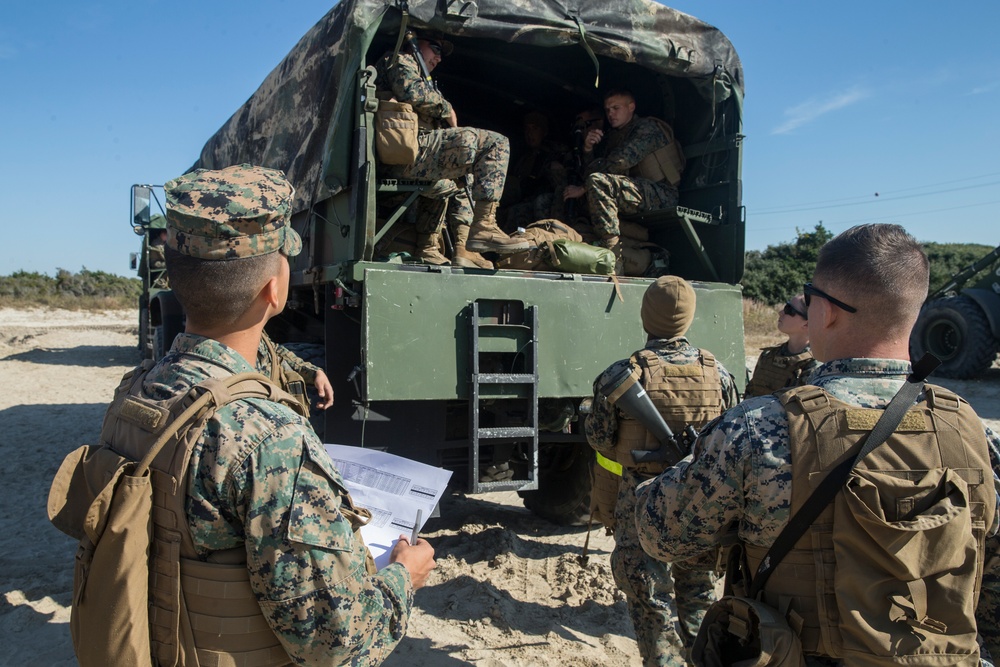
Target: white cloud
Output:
[(813, 108)]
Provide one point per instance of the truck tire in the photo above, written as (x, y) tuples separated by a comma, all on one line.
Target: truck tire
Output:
[(955, 330), (563, 495)]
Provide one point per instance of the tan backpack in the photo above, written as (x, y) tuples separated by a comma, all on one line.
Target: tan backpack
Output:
[(105, 500), (536, 258), (396, 131)]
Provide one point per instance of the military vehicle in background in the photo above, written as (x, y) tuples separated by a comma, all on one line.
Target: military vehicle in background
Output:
[(960, 321), (488, 372), (160, 315)]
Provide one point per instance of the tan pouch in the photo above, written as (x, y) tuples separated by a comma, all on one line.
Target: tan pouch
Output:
[(396, 133), (743, 631), (109, 622)]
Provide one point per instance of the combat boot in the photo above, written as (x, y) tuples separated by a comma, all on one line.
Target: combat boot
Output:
[(485, 235), (428, 251), (467, 258)]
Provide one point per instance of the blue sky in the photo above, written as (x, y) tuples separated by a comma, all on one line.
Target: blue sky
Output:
[(854, 112)]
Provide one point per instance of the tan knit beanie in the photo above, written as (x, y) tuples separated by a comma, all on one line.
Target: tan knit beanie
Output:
[(668, 307)]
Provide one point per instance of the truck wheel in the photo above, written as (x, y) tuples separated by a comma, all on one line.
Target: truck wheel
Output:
[(563, 494), (955, 330)]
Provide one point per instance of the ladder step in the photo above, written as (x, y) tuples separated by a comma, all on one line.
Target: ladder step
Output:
[(504, 378), (506, 432), (508, 485)]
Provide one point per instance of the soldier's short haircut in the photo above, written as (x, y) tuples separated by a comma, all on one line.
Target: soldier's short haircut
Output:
[(619, 92), (880, 269), (216, 293)]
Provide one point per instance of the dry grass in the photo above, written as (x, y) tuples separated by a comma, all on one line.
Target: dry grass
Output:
[(760, 326)]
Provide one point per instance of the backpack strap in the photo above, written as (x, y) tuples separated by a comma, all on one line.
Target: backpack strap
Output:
[(834, 480), (210, 395)]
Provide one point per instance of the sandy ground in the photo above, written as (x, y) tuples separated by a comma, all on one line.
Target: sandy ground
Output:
[(508, 589)]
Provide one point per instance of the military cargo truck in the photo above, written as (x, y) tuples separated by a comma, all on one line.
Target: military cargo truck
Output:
[(960, 321), (160, 315), (489, 372)]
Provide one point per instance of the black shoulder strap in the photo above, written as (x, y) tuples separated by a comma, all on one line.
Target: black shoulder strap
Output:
[(834, 481)]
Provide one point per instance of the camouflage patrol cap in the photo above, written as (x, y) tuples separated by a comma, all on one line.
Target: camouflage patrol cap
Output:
[(239, 211), (668, 307)]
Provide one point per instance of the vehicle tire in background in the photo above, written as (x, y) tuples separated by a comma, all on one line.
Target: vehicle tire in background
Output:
[(563, 494), (955, 330)]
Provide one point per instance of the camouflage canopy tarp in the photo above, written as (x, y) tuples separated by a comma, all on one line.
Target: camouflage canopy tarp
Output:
[(300, 119)]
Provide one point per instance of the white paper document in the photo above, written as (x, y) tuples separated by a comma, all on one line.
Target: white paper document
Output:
[(393, 489)]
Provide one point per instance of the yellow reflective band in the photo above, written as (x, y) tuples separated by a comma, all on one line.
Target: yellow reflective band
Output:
[(613, 467)]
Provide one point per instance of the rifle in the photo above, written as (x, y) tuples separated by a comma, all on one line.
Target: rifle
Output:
[(624, 391), (411, 39)]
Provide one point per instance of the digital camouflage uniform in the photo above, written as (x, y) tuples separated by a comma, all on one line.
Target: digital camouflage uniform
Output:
[(259, 478), (611, 192), (295, 362), (988, 610), (451, 152), (776, 368), (666, 601), (741, 473), (447, 201)]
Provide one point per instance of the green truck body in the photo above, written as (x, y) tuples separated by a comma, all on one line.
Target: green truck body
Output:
[(489, 370)]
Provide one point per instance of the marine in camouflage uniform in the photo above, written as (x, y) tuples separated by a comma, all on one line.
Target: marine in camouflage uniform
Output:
[(613, 185), (292, 373), (780, 366), (988, 609), (447, 151), (741, 471), (666, 601), (534, 176), (259, 480)]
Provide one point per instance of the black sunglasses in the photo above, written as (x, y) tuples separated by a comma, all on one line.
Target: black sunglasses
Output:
[(791, 310), (808, 291), (435, 47)]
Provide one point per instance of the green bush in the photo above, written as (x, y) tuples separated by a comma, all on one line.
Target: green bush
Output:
[(85, 290), (778, 272)]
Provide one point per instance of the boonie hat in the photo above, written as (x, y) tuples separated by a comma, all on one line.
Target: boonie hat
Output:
[(239, 211), (668, 307)]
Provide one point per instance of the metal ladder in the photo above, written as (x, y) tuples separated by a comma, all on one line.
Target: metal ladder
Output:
[(508, 332)]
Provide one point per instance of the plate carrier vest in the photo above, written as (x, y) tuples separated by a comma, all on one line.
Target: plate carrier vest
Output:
[(890, 572), (775, 370), (201, 612)]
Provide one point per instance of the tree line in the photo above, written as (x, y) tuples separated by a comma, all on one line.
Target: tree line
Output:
[(773, 275)]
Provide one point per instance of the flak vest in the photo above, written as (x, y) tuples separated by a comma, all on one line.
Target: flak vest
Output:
[(775, 370), (665, 163), (201, 612), (890, 572), (683, 394)]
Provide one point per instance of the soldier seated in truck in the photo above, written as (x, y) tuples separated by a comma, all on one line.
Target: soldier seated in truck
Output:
[(447, 151), (639, 170)]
